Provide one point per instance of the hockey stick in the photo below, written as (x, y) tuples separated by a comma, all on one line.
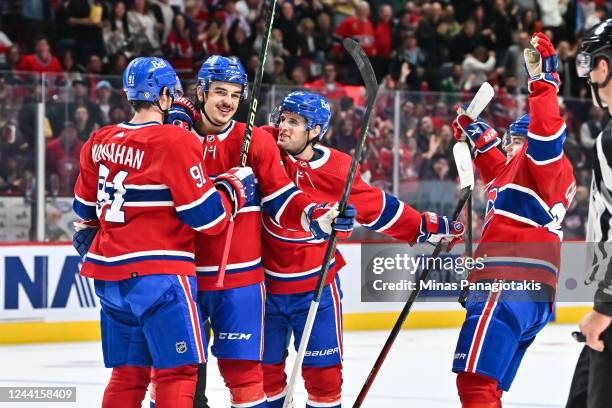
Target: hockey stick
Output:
[(248, 131), (466, 178), (371, 85), (479, 102)]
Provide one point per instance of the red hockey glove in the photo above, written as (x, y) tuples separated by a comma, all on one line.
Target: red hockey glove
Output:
[(483, 136), (541, 61), (435, 228), (183, 113), (239, 184)]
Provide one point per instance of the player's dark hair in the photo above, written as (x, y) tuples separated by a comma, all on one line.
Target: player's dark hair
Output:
[(139, 105)]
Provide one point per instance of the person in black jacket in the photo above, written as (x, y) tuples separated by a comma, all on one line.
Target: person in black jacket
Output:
[(592, 380)]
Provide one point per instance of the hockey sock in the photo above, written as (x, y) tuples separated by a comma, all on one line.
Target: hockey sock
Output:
[(174, 387), (478, 391), (324, 386), (200, 400), (127, 387), (275, 381), (244, 378)]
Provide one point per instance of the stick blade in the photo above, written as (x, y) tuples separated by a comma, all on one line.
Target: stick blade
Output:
[(363, 65), (480, 101), (463, 160)]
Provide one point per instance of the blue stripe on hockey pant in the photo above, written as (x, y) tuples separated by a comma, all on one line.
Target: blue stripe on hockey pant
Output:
[(286, 314), (498, 329), (236, 318), (151, 320)]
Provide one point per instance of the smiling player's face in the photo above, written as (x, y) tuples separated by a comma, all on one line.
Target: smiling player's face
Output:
[(222, 101)]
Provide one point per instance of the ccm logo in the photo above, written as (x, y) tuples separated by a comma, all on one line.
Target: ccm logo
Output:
[(322, 353), (234, 336)]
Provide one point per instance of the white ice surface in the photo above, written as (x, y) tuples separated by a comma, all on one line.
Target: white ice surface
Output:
[(416, 373)]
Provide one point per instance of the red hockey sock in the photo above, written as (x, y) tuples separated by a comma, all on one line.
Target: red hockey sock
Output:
[(275, 379), (244, 378), (324, 384), (174, 387), (478, 391), (127, 387)]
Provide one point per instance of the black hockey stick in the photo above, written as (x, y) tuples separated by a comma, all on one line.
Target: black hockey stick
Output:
[(371, 85), (466, 176), (248, 131)]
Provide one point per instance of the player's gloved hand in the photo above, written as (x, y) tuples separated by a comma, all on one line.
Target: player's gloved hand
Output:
[(541, 61), (323, 218), (183, 113), (239, 184), (435, 228), (483, 136), (84, 235)]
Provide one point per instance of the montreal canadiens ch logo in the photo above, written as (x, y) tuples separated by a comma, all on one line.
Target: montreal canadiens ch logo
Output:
[(491, 197)]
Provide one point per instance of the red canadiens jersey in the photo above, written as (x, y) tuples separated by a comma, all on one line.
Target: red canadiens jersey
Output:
[(147, 185), (292, 259), (527, 199), (276, 194)]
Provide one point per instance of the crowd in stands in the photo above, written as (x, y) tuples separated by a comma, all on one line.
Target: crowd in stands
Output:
[(436, 52)]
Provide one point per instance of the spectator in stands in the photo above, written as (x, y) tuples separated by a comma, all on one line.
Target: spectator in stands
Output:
[(179, 49), (324, 36), (298, 76), (567, 70), (513, 65), (104, 93), (116, 30), (328, 86), (382, 40), (552, 12), (82, 123), (476, 67), (12, 175), (288, 24), (410, 52), (82, 91), (146, 30), (5, 44), (592, 127), (164, 14), (117, 64), (465, 42), (85, 21), (359, 28), (41, 61), (214, 40), (62, 157), (239, 42), (12, 60), (278, 73), (453, 83), (307, 47)]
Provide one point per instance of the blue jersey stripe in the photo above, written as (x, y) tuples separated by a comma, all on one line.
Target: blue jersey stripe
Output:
[(542, 150), (522, 204), (84, 211), (273, 206), (389, 211), (147, 195), (204, 213)]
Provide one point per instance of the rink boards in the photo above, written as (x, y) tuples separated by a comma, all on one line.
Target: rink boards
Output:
[(43, 298)]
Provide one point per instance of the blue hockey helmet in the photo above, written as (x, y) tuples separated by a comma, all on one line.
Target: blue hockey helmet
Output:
[(313, 107), (223, 69), (145, 77), (517, 128)]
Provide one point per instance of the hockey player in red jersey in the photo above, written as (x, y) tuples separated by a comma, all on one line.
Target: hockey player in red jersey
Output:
[(236, 310), (292, 259), (141, 194), (529, 191)]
